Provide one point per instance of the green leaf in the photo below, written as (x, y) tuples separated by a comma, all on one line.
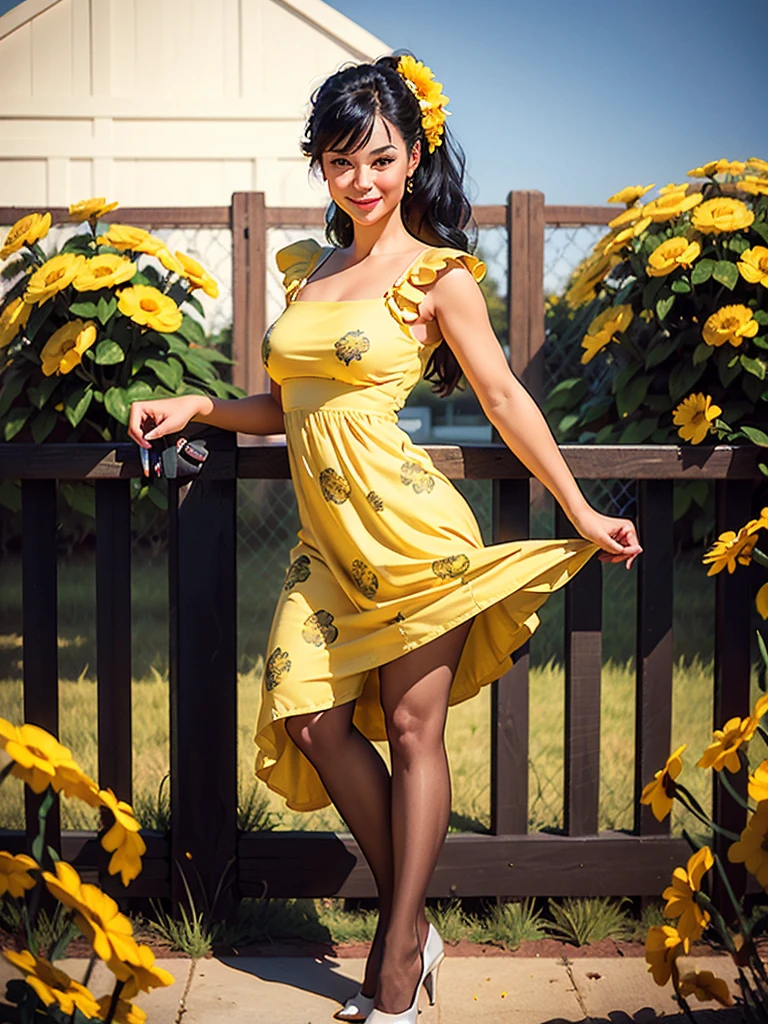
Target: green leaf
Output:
[(726, 273), (12, 386), (702, 352), (702, 271), (38, 317), (754, 366), (191, 330), (737, 244), (87, 309), (10, 495), (53, 853), (760, 341), (43, 424), (195, 303), (625, 376), (105, 308), (80, 243), (108, 353), (659, 352), (168, 372), (568, 422), (681, 286), (631, 396), (40, 394), (727, 370), (213, 355), (80, 497), (14, 421), (761, 315), (116, 405), (651, 290), (682, 378), (663, 306), (760, 228), (76, 404), (639, 431), (198, 367), (158, 497), (756, 436), (138, 391)]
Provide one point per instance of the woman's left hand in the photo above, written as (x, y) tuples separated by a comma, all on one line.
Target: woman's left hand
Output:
[(616, 537)]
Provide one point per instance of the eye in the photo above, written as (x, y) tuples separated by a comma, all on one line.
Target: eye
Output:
[(339, 161), (386, 160)]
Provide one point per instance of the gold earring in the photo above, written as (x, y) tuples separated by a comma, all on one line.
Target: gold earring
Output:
[(409, 185)]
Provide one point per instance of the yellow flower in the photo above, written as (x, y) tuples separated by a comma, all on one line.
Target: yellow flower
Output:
[(587, 276), (749, 848), (752, 184), (662, 947), (12, 319), (671, 254), (54, 275), (730, 324), (140, 973), (148, 307), (72, 781), (658, 791), (38, 755), (679, 896), (757, 786), (730, 548), (761, 603), (96, 915), (64, 349), (613, 320), (629, 216), (103, 272), (197, 276), (753, 265), (721, 214), (619, 241), (14, 873), (671, 204), (125, 236), (420, 80), (123, 838), (630, 194), (754, 163), (90, 209), (27, 231), (693, 417), (673, 188), (722, 752), (53, 985), (704, 985), (760, 708), (714, 167), (169, 261), (125, 1012)]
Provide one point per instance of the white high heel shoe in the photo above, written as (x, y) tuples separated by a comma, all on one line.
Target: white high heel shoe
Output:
[(431, 957)]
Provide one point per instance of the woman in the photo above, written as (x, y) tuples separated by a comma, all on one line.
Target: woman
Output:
[(392, 607)]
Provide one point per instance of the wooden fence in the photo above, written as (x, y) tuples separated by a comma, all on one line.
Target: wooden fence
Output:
[(203, 641), (203, 678)]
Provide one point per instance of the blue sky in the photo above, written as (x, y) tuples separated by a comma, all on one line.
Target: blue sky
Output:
[(579, 98)]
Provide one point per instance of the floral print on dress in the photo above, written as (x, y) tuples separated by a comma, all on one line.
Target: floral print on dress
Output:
[(278, 664), (365, 578), (412, 473), (319, 629), (375, 501), (352, 346), (334, 486), (298, 571), (450, 568)]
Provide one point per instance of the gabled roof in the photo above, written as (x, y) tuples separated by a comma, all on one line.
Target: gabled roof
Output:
[(325, 18)]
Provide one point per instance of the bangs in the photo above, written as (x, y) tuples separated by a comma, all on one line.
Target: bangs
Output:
[(348, 125)]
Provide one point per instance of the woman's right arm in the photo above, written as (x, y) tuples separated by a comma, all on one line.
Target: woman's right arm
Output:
[(255, 414)]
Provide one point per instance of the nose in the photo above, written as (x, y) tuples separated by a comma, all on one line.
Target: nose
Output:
[(363, 179)]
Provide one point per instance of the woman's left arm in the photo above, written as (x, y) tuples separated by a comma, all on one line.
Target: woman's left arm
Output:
[(459, 307)]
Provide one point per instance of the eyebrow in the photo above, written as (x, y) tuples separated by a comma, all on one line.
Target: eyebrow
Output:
[(381, 149)]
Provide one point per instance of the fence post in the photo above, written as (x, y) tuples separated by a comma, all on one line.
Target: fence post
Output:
[(203, 677), (249, 283), (525, 295)]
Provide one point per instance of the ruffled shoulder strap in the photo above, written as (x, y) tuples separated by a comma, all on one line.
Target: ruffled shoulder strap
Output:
[(406, 294), (296, 262)]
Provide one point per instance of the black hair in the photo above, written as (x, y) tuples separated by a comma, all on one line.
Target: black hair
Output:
[(437, 210)]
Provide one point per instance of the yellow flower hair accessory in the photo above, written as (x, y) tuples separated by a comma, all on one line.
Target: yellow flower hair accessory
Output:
[(421, 81)]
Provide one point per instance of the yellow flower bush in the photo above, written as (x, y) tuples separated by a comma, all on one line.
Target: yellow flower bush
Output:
[(730, 324), (603, 329), (686, 882), (111, 318), (670, 205), (723, 214), (47, 766), (669, 255), (753, 265)]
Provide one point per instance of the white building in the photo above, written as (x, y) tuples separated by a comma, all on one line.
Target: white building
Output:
[(164, 102)]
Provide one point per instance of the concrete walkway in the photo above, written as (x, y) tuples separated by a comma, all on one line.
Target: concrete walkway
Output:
[(302, 990)]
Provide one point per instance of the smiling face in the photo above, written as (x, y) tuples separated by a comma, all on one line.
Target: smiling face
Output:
[(369, 183)]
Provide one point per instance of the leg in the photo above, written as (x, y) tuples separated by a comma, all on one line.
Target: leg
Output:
[(358, 782), (414, 696)]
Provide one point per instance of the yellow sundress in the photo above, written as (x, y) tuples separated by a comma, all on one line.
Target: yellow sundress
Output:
[(389, 553)]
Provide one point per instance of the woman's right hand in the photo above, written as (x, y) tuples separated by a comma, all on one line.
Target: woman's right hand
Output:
[(153, 418)]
